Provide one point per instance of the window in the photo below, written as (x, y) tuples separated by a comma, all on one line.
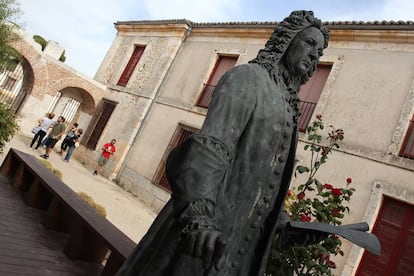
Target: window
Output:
[(394, 228), (107, 109), (132, 63), (309, 94), (407, 148), (181, 133), (9, 83), (223, 64)]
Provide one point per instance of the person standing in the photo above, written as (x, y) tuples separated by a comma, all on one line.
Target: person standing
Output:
[(44, 124), (71, 143), (69, 137), (107, 150), (55, 134)]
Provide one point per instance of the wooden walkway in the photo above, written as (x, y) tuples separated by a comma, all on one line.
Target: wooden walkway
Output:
[(26, 247)]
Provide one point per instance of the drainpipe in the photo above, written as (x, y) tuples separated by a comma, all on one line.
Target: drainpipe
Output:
[(137, 131)]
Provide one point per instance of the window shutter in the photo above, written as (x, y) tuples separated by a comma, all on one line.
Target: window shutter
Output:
[(132, 63), (309, 95), (223, 64), (394, 228), (407, 148)]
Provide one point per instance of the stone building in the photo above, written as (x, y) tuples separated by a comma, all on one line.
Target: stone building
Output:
[(162, 73), (153, 88)]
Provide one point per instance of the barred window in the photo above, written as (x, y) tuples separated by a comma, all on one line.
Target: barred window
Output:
[(181, 133)]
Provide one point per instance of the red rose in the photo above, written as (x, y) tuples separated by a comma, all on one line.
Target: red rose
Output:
[(289, 193), (325, 257), (305, 218), (335, 212), (336, 191), (332, 264), (349, 180), (328, 186), (301, 195)]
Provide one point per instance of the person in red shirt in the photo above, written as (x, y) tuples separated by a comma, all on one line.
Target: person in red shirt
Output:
[(107, 150)]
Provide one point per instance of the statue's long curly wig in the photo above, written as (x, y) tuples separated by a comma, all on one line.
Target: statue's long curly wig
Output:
[(271, 57)]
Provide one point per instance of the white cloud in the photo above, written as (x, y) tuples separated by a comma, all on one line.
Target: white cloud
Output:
[(398, 10), (199, 11), (83, 28)]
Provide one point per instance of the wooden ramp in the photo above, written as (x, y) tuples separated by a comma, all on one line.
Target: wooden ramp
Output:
[(47, 229), (26, 247)]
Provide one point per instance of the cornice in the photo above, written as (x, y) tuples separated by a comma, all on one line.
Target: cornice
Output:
[(353, 31), (163, 26)]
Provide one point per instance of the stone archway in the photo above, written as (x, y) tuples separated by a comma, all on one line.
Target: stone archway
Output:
[(15, 84), (46, 79), (74, 104)]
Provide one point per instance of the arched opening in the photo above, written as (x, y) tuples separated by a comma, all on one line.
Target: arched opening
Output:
[(74, 104), (16, 83)]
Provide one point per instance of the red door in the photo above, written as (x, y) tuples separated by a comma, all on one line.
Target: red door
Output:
[(395, 230)]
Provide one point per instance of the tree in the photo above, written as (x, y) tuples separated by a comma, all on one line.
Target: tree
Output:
[(314, 201), (8, 125), (9, 12)]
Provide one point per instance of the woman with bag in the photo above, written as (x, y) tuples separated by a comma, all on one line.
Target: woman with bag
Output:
[(72, 143), (44, 124), (69, 136)]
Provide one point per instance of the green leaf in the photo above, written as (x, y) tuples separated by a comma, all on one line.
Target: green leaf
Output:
[(302, 169)]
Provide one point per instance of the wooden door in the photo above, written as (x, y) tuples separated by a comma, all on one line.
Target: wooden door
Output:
[(395, 230)]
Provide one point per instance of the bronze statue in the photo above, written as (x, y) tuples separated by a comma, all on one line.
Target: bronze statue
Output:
[(230, 179)]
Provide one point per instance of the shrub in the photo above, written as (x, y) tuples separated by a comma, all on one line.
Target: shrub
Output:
[(314, 201), (99, 208), (8, 125), (49, 166), (40, 40)]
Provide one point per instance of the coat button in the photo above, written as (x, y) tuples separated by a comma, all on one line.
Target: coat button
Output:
[(281, 159), (241, 251), (266, 199), (285, 135), (276, 171), (254, 224), (288, 123), (260, 212), (283, 146), (248, 237), (288, 110), (272, 186)]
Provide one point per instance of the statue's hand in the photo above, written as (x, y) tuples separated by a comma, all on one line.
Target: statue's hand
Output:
[(305, 237), (206, 244)]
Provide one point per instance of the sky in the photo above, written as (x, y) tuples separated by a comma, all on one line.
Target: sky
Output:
[(85, 27)]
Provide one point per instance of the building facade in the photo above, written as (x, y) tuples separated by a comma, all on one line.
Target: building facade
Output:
[(162, 73), (153, 88)]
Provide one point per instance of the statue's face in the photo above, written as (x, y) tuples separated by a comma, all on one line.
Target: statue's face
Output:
[(304, 51)]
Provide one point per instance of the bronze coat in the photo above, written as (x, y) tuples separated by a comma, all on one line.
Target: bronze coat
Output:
[(241, 160)]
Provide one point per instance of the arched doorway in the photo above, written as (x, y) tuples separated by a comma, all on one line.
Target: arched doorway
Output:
[(74, 104), (15, 84)]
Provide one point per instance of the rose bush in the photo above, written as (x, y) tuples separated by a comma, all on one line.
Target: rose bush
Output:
[(314, 201)]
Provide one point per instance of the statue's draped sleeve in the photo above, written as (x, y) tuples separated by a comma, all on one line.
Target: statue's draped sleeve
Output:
[(197, 169)]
